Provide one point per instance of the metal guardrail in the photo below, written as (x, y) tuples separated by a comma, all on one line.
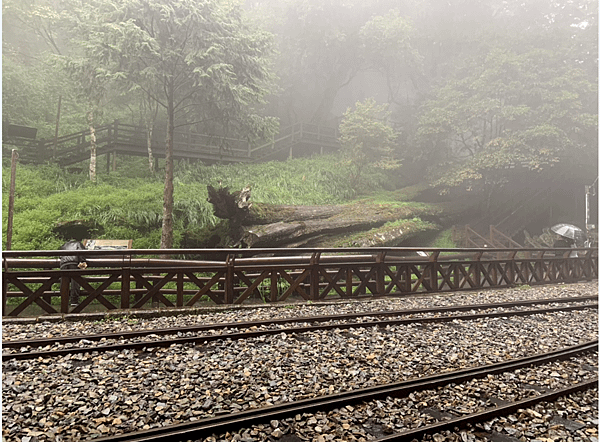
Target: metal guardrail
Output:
[(136, 279)]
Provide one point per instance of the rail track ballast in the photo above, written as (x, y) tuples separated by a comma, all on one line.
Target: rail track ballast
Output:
[(156, 278)]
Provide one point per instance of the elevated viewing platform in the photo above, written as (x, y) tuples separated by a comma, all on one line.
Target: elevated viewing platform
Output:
[(298, 140)]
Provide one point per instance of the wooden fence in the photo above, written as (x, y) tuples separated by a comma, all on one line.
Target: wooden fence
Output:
[(137, 279), (125, 139)]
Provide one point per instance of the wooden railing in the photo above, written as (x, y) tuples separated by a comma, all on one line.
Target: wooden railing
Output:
[(499, 239), (137, 279), (468, 237), (289, 136), (132, 140)]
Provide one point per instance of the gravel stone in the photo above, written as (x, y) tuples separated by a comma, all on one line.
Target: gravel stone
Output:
[(82, 396)]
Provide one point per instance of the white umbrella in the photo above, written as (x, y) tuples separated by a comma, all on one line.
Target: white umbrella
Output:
[(569, 231)]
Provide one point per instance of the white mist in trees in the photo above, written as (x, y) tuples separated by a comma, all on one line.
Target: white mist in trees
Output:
[(527, 108), (366, 138), (196, 58), (387, 48)]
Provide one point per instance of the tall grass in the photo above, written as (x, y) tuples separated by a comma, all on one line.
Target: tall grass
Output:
[(316, 180), (127, 204)]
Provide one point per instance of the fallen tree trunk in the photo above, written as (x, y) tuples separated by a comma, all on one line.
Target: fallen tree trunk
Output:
[(282, 234), (361, 224)]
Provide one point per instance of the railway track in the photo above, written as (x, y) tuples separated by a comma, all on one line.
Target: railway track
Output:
[(20, 349), (230, 423), (242, 370)]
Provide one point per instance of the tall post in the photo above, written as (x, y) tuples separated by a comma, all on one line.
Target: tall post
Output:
[(11, 198)]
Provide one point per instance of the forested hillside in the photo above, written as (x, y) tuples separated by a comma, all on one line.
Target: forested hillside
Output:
[(494, 98)]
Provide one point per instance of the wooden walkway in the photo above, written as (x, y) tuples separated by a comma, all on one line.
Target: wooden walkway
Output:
[(299, 140)]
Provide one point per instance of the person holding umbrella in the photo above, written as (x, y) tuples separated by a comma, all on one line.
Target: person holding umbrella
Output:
[(570, 236)]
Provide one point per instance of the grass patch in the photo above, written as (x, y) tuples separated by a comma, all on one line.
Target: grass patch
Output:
[(443, 240)]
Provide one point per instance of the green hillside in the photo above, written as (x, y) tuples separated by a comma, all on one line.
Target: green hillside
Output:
[(127, 203)]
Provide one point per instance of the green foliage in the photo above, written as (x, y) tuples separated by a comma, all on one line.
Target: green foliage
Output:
[(443, 240), (318, 180), (367, 138), (506, 110), (386, 42), (391, 234), (46, 195), (200, 61), (128, 205), (37, 39)]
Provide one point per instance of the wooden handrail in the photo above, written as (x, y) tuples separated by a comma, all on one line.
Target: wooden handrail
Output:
[(73, 146), (231, 275), (495, 232)]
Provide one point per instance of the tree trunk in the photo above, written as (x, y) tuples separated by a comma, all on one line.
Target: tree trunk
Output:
[(293, 234), (166, 240), (340, 78), (93, 147), (150, 114), (149, 128), (262, 225)]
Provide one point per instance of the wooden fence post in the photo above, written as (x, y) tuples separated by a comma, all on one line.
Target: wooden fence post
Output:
[(179, 302), (11, 198), (380, 275), (228, 288), (314, 276), (125, 287), (433, 269), (274, 279), (477, 269), (349, 277), (510, 267), (4, 287), (65, 281)]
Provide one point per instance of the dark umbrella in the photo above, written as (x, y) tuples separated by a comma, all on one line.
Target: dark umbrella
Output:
[(569, 231)]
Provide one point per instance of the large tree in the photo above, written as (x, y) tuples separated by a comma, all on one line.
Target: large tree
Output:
[(197, 59), (31, 82), (386, 45), (366, 138), (320, 52), (513, 108), (525, 93)]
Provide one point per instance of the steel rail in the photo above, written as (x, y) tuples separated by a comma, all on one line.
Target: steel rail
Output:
[(253, 334), (485, 415), (234, 421), (42, 342)]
